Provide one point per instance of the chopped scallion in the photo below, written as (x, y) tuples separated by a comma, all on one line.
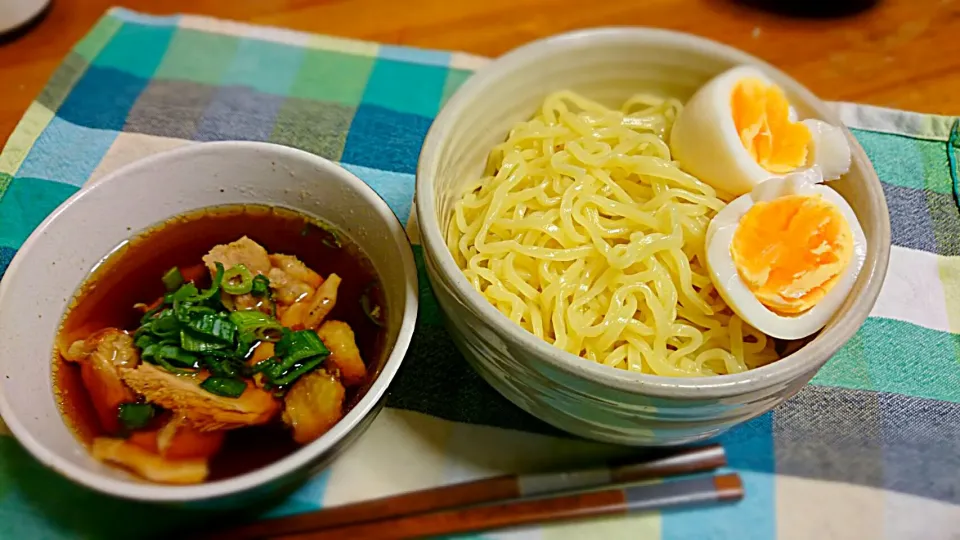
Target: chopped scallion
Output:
[(224, 386), (144, 340), (237, 280), (135, 415), (264, 364), (211, 326), (257, 326), (272, 334), (298, 370), (193, 343), (261, 286), (184, 293), (296, 346), (214, 287), (172, 279), (220, 367), (176, 355), (164, 325), (296, 350), (151, 312)]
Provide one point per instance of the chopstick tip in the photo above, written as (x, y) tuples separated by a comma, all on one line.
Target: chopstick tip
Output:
[(729, 487)]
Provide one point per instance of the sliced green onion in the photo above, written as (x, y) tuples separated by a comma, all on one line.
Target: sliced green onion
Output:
[(257, 326), (269, 333), (247, 321), (164, 325), (260, 286), (150, 351), (244, 347), (177, 356), (201, 344), (196, 311), (135, 415), (298, 371), (296, 346), (145, 340), (224, 386), (263, 364), (181, 309), (220, 367), (150, 313), (275, 370), (211, 326), (187, 310), (184, 293), (214, 287), (370, 308), (237, 280), (172, 279)]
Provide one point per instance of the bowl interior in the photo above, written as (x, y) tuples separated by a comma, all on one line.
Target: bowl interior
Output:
[(610, 65), (60, 254)]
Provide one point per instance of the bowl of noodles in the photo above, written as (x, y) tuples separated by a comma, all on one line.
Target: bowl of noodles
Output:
[(645, 237)]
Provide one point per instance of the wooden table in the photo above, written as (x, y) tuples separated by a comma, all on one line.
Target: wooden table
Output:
[(901, 53)]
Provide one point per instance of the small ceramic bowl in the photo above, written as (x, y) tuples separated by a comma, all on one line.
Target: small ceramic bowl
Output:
[(60, 254), (584, 398)]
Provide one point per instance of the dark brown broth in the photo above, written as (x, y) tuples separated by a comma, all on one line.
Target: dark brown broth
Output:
[(132, 274)]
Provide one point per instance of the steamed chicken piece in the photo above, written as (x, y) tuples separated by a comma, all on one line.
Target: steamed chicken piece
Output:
[(251, 255), (344, 354), (149, 465), (101, 357), (243, 251), (313, 405), (291, 280), (203, 410)]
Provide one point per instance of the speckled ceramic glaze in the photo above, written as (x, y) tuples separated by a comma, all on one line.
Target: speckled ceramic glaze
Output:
[(578, 396), (59, 255)]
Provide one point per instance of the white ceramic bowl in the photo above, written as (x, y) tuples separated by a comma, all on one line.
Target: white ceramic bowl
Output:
[(58, 256), (17, 13), (588, 399)]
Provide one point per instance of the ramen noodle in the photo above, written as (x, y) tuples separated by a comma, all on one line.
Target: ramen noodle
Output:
[(584, 232)]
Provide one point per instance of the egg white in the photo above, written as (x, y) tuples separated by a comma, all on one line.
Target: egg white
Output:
[(734, 291), (705, 143)]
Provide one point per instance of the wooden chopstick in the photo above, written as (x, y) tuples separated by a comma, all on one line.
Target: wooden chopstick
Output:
[(637, 498), (498, 489)]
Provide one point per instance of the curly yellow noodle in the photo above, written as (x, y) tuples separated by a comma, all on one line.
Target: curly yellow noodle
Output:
[(585, 233)]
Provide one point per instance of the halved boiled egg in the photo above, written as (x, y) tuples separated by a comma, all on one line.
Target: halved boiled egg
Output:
[(785, 256), (739, 130)]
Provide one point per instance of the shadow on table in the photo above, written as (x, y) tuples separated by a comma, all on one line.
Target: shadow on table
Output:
[(811, 9)]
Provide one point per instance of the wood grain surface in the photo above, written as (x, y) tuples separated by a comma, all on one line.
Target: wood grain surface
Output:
[(899, 53)]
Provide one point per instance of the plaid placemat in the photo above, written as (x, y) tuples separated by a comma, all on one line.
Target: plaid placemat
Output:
[(868, 450)]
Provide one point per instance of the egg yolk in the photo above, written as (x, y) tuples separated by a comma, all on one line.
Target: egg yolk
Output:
[(791, 251), (761, 115)]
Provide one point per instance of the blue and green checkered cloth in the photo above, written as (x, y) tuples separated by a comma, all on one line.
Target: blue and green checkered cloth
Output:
[(871, 449)]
